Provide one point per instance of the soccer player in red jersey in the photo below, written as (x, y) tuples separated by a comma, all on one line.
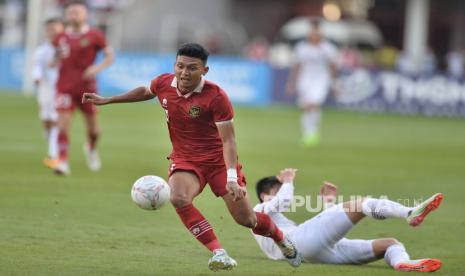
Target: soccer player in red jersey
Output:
[(77, 48), (200, 122)]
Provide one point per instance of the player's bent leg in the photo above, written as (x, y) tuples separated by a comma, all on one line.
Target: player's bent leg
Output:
[(241, 211), (353, 210), (384, 208), (93, 133), (261, 224), (185, 186), (380, 246), (397, 257)]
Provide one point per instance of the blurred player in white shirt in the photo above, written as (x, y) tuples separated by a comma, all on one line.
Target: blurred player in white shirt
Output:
[(45, 77), (311, 77), (322, 238)]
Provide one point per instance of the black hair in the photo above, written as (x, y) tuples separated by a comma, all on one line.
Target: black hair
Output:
[(76, 2), (53, 20), (265, 185), (193, 50)]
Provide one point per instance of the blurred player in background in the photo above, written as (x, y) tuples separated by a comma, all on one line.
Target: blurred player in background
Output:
[(44, 75), (199, 116), (77, 48), (311, 77), (322, 238)]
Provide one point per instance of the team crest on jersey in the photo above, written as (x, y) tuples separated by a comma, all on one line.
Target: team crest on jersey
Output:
[(194, 111), (84, 42)]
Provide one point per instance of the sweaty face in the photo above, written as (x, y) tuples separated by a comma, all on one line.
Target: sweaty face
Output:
[(52, 29), (189, 71), (76, 14)]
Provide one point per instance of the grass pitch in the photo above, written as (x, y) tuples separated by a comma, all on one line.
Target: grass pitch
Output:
[(86, 224)]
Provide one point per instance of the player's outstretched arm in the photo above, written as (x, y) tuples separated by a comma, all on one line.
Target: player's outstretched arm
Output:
[(139, 94)]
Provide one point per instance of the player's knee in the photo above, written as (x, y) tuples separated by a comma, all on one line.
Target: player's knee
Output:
[(380, 246), (180, 200), (390, 241)]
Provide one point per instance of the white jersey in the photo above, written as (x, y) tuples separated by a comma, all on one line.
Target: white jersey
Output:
[(47, 77), (314, 76), (320, 239), (314, 61), (42, 71), (273, 208)]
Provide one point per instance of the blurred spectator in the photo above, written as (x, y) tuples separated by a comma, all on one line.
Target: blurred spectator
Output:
[(455, 63), (213, 44), (386, 56), (257, 49), (349, 59)]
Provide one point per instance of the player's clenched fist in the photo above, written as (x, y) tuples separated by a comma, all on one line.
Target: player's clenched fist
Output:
[(94, 98), (235, 190)]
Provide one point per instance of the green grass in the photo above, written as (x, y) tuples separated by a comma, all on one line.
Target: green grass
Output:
[(86, 224)]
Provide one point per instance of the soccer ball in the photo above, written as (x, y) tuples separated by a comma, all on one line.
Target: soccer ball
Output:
[(150, 192)]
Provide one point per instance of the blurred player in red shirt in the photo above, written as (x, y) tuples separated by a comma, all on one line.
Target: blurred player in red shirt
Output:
[(77, 48), (200, 122)]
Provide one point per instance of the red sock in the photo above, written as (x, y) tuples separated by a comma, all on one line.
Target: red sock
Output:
[(63, 143), (92, 138), (198, 226), (266, 227)]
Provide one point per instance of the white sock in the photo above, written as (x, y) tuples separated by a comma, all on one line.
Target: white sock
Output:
[(396, 254), (384, 208), (310, 122), (53, 143)]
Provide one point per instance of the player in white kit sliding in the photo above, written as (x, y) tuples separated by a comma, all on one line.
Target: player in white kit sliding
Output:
[(322, 238), (311, 77), (45, 77)]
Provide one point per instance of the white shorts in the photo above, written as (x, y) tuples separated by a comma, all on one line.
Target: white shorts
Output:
[(321, 240), (46, 100), (315, 94)]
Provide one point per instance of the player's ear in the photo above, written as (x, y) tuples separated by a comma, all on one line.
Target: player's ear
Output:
[(205, 70), (262, 197)]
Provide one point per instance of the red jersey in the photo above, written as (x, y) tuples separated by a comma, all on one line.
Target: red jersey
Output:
[(192, 118), (79, 52)]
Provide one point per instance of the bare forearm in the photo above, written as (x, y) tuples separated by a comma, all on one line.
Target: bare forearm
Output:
[(107, 61), (230, 153), (138, 94)]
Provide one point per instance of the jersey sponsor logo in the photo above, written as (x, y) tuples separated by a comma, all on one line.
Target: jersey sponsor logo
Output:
[(194, 111), (84, 42)]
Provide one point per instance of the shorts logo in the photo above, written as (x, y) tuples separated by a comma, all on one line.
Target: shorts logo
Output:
[(84, 42), (63, 101), (164, 103), (194, 111)]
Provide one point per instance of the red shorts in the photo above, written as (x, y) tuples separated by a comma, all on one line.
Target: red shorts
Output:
[(214, 175), (68, 102)]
